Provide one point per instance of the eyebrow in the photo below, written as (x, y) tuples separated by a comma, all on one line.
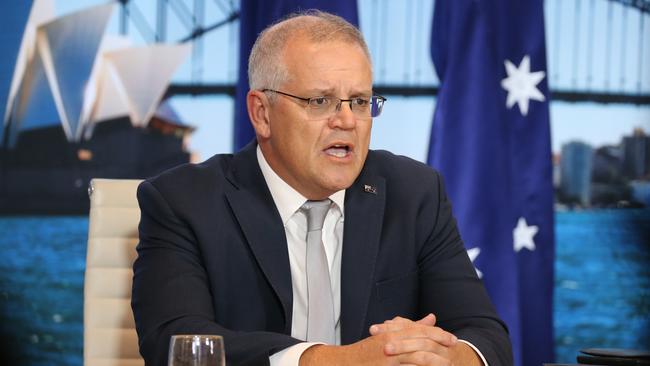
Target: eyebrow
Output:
[(330, 92), (321, 91)]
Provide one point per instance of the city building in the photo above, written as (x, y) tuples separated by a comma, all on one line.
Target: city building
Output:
[(608, 187), (575, 173), (636, 155)]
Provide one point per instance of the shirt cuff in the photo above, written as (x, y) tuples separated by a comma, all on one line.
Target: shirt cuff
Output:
[(290, 356), (475, 350)]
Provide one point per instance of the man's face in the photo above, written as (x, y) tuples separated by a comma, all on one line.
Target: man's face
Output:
[(318, 157)]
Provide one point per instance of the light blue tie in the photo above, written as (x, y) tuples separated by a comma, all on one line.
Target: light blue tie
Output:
[(320, 304)]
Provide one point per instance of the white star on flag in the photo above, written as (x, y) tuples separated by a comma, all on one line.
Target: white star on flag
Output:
[(521, 84), (523, 234), (473, 254)]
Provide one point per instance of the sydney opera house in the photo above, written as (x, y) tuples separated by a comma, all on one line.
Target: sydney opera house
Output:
[(76, 103)]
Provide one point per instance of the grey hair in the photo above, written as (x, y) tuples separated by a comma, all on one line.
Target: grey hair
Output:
[(266, 68)]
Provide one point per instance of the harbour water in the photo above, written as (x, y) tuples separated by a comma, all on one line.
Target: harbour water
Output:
[(602, 285), (602, 281)]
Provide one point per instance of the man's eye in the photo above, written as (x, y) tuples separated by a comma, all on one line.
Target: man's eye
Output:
[(361, 102), (319, 101)]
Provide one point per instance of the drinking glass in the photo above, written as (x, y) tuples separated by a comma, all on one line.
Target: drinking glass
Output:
[(196, 350)]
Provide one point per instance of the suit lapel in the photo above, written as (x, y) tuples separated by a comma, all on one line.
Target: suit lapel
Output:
[(364, 212), (261, 224)]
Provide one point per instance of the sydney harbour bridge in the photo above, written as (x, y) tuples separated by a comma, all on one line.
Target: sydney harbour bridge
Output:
[(597, 50)]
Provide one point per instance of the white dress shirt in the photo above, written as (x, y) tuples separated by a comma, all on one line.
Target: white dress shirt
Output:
[(288, 202)]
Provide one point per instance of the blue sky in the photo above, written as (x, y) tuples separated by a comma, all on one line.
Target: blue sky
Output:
[(586, 50)]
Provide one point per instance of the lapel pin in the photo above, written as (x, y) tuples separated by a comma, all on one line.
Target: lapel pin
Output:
[(369, 189)]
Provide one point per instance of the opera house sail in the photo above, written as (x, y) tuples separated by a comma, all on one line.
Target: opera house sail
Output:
[(78, 104)]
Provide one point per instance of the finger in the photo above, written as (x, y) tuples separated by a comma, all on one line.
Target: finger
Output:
[(436, 334), (394, 324), (429, 320), (414, 345), (399, 320), (422, 331), (415, 330), (422, 358), (374, 329), (391, 325)]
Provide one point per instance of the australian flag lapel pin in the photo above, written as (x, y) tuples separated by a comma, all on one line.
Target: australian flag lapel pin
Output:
[(369, 189)]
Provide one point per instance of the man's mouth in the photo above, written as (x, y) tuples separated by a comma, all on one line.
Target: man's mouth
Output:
[(338, 150)]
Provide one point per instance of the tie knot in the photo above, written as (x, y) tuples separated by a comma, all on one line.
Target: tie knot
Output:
[(316, 212)]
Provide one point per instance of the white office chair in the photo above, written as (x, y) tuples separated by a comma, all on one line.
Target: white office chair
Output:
[(110, 338)]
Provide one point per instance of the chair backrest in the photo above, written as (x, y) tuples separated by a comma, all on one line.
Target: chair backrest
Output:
[(110, 338)]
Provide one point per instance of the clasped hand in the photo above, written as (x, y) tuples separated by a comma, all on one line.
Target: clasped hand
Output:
[(398, 341), (414, 342)]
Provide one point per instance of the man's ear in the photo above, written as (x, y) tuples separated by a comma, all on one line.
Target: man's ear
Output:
[(258, 111)]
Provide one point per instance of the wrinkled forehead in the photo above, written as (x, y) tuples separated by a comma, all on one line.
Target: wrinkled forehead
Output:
[(301, 52), (331, 67)]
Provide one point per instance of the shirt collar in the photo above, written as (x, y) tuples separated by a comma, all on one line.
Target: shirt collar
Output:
[(287, 199)]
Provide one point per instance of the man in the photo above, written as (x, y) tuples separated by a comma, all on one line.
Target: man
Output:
[(227, 246)]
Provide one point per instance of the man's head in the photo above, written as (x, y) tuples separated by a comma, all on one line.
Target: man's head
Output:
[(311, 55)]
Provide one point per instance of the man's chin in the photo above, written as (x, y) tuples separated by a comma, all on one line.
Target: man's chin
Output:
[(339, 183)]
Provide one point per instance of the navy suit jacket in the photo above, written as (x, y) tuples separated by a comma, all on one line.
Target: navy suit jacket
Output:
[(213, 259)]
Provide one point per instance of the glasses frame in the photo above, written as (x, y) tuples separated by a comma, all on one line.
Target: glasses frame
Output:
[(381, 102)]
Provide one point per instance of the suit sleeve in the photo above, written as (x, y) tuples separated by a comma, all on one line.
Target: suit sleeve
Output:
[(450, 287), (171, 293)]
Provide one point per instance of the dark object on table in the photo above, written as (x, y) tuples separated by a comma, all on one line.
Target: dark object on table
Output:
[(614, 357), (565, 364), (568, 364)]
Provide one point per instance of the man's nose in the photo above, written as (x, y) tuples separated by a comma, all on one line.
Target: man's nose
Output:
[(344, 117)]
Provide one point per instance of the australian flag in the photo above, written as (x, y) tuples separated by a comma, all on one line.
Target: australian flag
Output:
[(491, 141), (255, 15)]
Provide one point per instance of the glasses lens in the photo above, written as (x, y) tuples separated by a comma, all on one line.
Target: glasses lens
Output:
[(325, 107), (376, 105), (321, 106)]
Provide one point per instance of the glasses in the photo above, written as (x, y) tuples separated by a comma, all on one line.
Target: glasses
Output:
[(325, 107)]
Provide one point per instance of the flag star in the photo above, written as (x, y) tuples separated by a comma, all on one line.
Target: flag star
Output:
[(473, 254), (523, 234), (521, 84)]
